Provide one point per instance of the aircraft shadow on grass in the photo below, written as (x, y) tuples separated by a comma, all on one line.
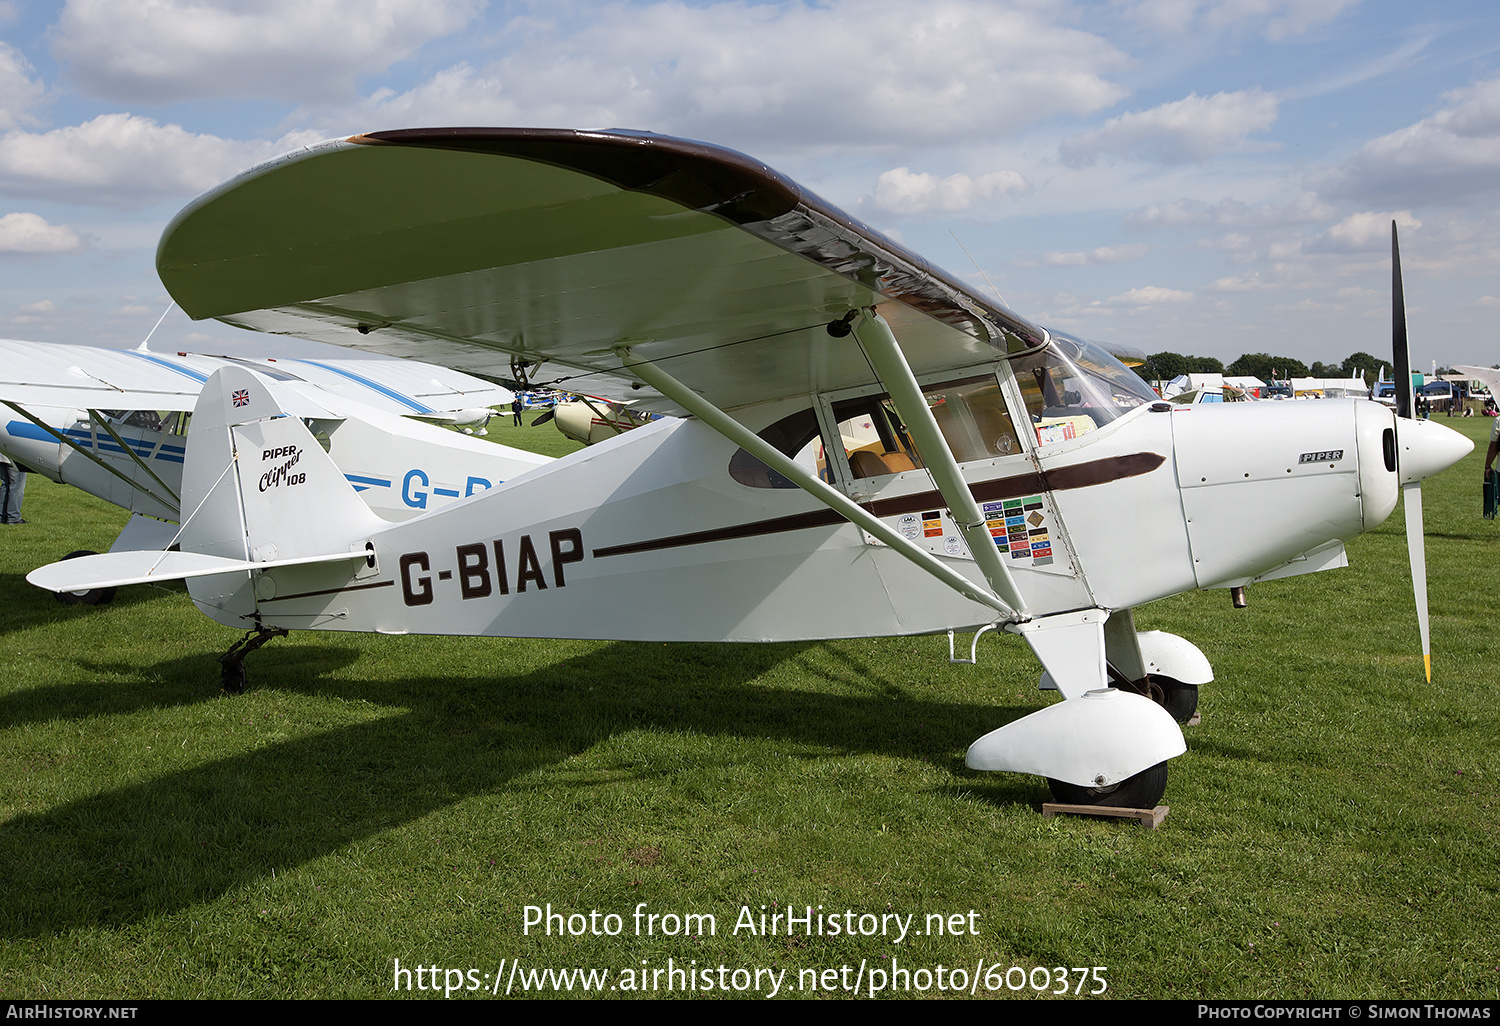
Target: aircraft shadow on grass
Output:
[(105, 688), (23, 606), (191, 836)]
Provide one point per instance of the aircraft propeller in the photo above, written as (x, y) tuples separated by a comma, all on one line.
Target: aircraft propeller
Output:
[(1423, 449), (1411, 492)]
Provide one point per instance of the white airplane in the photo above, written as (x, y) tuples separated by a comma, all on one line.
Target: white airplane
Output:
[(589, 419), (1488, 376), (115, 422), (1024, 480)]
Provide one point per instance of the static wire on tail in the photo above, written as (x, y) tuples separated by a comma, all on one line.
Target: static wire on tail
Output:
[(1411, 494)]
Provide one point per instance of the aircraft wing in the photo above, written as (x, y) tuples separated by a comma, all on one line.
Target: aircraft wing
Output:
[(476, 247), (1489, 375), (87, 377)]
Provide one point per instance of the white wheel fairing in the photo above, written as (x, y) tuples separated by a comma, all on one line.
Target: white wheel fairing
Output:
[(1099, 739), (1167, 655)]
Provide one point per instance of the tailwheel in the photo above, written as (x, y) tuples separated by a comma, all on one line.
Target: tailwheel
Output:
[(232, 663), (1142, 791), (93, 597)]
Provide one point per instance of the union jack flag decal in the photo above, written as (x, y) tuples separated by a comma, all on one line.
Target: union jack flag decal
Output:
[(241, 397)]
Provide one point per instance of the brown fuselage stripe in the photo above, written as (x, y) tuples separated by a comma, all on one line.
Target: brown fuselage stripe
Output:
[(1062, 479)]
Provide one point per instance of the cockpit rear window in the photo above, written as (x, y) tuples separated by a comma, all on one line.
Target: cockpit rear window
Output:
[(970, 413)]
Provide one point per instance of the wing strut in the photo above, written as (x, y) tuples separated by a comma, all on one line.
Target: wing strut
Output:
[(809, 482), (890, 365), (65, 440), (103, 422)]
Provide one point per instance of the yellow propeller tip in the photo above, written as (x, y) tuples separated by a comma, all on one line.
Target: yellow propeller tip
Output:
[(1427, 661)]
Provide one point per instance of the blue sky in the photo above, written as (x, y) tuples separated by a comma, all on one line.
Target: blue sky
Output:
[(1202, 177)]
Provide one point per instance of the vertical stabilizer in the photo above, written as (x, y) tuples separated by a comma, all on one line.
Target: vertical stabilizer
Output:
[(257, 486)]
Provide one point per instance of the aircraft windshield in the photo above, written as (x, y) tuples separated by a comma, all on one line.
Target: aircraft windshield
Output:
[(1072, 387)]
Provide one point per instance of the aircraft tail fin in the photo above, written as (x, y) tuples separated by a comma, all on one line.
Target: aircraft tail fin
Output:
[(258, 493), (256, 484)]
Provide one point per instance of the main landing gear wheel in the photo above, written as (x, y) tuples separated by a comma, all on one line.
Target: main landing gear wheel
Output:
[(1179, 699), (92, 597), (1142, 791)]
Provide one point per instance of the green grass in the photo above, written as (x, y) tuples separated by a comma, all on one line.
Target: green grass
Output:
[(543, 438), (1333, 833)]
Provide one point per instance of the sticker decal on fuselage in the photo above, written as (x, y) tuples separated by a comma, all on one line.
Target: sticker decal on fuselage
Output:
[(1021, 527)]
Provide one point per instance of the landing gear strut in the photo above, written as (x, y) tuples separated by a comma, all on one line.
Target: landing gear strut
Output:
[(233, 661)]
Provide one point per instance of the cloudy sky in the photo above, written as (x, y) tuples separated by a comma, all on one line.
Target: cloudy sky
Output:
[(1202, 176)]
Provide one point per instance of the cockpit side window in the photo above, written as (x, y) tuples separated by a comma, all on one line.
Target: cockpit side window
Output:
[(874, 440), (790, 436), (1072, 387), (972, 416), (970, 413)]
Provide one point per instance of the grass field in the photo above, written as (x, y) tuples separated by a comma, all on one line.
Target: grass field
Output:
[(1334, 827)]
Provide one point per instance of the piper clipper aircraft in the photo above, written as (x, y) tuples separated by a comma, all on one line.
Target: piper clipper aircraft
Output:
[(115, 422), (591, 420), (1004, 470)]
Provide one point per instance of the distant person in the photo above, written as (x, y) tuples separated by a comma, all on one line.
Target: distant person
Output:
[(515, 410), (12, 487), (1491, 493), (1489, 457)]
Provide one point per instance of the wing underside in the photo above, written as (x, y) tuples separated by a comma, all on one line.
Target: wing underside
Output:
[(483, 248)]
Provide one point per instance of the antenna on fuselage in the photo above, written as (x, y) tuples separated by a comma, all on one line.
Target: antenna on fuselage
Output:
[(986, 277), (142, 347)]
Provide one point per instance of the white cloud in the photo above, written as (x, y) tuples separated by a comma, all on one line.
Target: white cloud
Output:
[(29, 233), (164, 50), (902, 191), (1274, 277), (19, 92), (1102, 255), (1184, 131), (1448, 157), (1369, 230), (1230, 213), (46, 306), (1274, 19), (123, 160), (848, 73), (1151, 295)]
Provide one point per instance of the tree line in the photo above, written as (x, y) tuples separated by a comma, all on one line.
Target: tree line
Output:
[(1165, 366)]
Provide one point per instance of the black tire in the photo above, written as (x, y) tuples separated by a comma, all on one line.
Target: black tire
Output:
[(93, 597), (233, 677), (1179, 699), (1142, 791)]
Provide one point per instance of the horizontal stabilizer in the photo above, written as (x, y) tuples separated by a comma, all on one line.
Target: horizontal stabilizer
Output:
[(115, 569)]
